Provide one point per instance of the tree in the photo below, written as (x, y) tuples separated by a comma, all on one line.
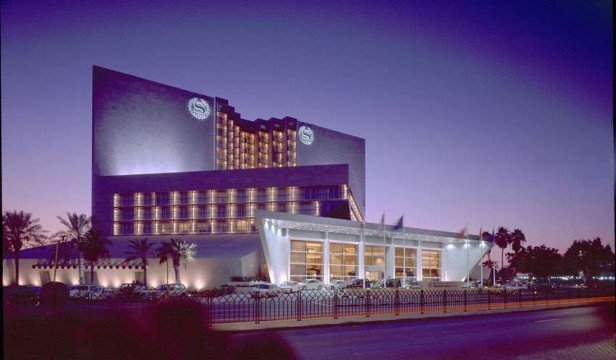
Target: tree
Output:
[(589, 257), (502, 239), (19, 229), (176, 250), (517, 238), (76, 226), (541, 261), (140, 249), (94, 247)]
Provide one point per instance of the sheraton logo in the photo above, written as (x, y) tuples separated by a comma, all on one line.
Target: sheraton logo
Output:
[(306, 135), (199, 108)]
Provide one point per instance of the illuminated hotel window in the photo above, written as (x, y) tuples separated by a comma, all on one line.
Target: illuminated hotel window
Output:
[(221, 211), (261, 195), (342, 261), (162, 198), (306, 260), (231, 204), (126, 229), (242, 226), (165, 213), (241, 210), (184, 227), (184, 212), (165, 227), (241, 196), (431, 264), (221, 226), (221, 197), (406, 259), (203, 227), (148, 227), (374, 255)]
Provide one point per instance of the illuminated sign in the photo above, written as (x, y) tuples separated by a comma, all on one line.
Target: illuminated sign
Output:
[(305, 135), (199, 108)]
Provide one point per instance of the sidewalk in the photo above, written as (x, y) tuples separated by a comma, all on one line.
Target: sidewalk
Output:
[(349, 320)]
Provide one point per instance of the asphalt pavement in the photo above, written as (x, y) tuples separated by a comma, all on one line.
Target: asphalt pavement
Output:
[(585, 332)]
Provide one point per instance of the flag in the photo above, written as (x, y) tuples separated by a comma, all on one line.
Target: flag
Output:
[(400, 223), (383, 221), (462, 233)]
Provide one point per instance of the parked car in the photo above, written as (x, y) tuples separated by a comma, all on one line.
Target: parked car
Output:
[(132, 292), (359, 283), (311, 284), (22, 295), (394, 283), (90, 292), (289, 287), (338, 285), (168, 291), (265, 291)]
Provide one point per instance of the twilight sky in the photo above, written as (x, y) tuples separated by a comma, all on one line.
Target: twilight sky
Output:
[(480, 113)]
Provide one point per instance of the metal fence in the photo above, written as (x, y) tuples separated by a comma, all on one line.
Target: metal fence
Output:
[(247, 307), (360, 302)]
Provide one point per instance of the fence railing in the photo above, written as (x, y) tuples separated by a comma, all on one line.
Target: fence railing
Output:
[(330, 303), (251, 307)]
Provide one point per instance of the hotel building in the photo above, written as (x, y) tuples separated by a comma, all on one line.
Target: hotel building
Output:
[(277, 197)]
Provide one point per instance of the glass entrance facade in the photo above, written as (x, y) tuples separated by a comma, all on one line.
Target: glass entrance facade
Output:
[(343, 261), (306, 260), (406, 261), (431, 264)]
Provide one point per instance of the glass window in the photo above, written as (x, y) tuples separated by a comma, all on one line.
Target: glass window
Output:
[(406, 260), (374, 255), (306, 260), (343, 261), (431, 264)]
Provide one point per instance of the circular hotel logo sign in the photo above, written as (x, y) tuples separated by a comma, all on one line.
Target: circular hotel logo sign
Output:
[(306, 135), (199, 108)]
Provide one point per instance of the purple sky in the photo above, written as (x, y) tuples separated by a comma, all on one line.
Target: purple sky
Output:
[(472, 112)]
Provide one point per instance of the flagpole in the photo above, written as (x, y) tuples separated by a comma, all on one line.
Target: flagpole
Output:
[(363, 239), (384, 258), (493, 267), (468, 273)]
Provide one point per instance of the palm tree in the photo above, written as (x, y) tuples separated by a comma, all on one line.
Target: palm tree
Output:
[(19, 229), (140, 249), (517, 238), (94, 247), (177, 250), (76, 226), (502, 239)]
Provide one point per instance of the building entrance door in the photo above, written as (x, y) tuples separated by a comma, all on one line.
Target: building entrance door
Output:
[(374, 275)]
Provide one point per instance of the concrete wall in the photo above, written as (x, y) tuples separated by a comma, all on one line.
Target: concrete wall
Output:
[(333, 147), (204, 273)]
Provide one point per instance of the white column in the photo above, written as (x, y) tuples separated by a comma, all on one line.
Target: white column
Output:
[(419, 259), (361, 270), (391, 260), (326, 258)]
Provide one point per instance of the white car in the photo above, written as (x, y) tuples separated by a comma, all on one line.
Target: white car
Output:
[(337, 285), (265, 291), (168, 291), (311, 284), (289, 286)]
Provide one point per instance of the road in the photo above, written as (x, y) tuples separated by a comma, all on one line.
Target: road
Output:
[(570, 333)]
